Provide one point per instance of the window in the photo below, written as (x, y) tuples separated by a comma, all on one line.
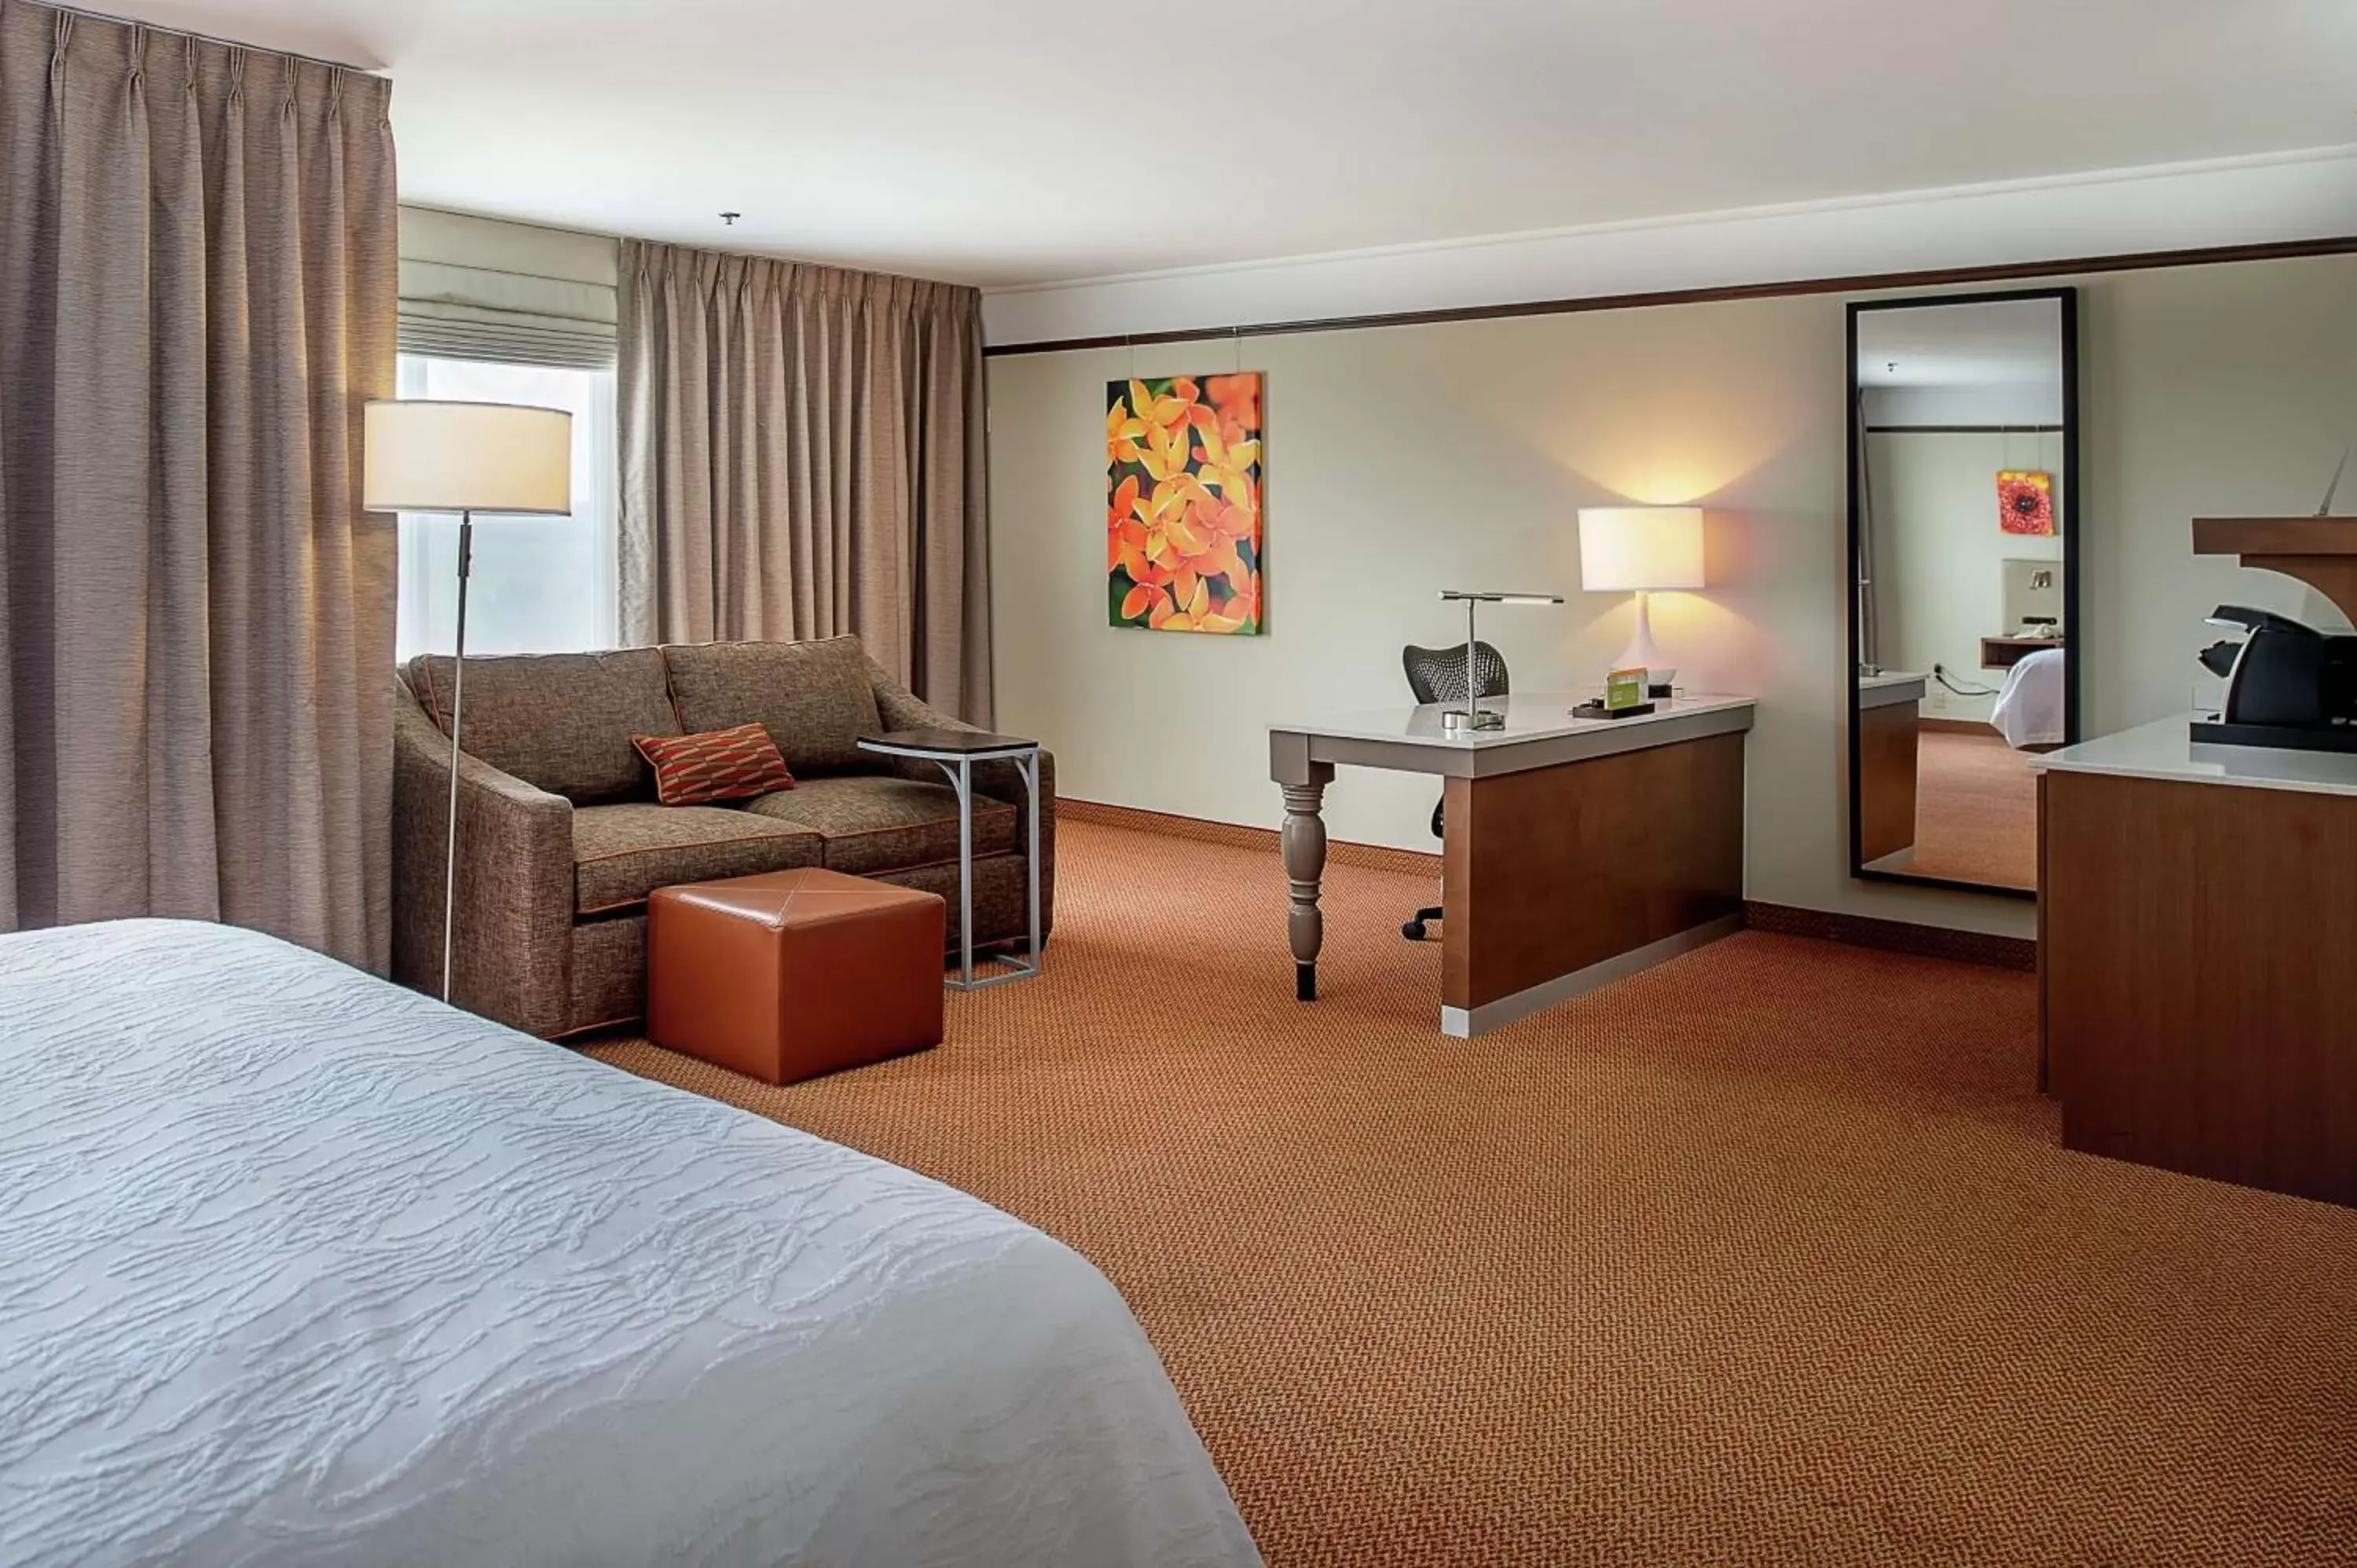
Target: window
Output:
[(542, 585)]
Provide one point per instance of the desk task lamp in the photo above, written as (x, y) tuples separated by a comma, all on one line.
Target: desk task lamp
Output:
[(1641, 550), (464, 457), (1473, 716)]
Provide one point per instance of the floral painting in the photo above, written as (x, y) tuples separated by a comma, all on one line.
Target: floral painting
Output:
[(2025, 501), (1183, 518)]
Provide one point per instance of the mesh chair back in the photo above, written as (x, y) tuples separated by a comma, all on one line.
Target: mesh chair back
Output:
[(1438, 674)]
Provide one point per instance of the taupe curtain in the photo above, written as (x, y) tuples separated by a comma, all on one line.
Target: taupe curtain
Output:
[(802, 457), (197, 288)]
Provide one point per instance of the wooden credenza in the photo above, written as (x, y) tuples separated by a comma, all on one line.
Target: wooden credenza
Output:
[(2197, 957), (1888, 736)]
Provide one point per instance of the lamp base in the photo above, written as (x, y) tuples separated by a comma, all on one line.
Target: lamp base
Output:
[(1641, 653), (1455, 720)]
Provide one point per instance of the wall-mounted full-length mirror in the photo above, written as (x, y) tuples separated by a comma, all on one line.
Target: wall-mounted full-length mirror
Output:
[(1964, 514)]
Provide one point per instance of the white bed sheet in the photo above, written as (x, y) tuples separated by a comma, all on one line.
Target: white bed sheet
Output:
[(2028, 711), (299, 1267)]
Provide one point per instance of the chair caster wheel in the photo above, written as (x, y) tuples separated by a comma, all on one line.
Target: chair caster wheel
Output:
[(1412, 930)]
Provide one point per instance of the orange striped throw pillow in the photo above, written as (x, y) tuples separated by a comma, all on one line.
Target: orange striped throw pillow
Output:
[(718, 765)]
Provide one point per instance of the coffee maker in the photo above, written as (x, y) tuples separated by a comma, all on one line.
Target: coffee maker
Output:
[(2288, 685)]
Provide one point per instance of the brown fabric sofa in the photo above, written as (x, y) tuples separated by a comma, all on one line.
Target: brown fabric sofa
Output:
[(560, 840)]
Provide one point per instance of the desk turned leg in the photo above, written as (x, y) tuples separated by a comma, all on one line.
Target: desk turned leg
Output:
[(1305, 867)]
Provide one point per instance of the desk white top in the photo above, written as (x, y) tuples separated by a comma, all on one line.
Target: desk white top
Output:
[(1891, 688), (2165, 750), (1530, 717)]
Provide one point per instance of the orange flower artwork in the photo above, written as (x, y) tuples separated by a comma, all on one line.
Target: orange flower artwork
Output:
[(1183, 504), (2025, 501)]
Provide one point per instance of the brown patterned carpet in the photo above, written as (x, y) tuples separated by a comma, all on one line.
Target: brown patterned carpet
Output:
[(1975, 810), (1769, 1256)]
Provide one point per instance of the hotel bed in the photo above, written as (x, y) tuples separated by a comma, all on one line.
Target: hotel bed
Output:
[(2030, 711), (299, 1267)]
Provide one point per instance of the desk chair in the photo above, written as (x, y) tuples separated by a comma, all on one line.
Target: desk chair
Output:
[(1437, 675)]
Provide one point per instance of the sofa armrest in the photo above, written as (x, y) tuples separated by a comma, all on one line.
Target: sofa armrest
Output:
[(903, 709), (514, 947)]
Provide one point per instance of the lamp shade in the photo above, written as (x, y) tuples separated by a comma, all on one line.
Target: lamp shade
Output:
[(466, 457), (1624, 548)]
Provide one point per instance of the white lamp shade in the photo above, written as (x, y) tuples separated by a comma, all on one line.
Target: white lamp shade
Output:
[(1626, 547), (466, 457)]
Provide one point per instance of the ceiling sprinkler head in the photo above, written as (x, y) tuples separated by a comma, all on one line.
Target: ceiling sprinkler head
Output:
[(730, 218)]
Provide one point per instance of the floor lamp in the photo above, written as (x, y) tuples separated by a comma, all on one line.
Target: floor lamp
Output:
[(464, 457)]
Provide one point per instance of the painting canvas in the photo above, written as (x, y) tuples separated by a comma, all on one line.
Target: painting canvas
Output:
[(2025, 501), (1183, 464)]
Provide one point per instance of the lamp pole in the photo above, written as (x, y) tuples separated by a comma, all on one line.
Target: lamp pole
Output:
[(458, 712), (1472, 679)]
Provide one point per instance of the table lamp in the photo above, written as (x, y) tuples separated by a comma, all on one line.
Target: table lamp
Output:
[(1473, 716), (1641, 550), (464, 457)]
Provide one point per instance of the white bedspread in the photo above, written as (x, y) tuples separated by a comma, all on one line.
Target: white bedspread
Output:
[(2028, 711), (298, 1267)]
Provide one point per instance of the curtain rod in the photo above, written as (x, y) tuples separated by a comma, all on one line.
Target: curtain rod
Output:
[(211, 38)]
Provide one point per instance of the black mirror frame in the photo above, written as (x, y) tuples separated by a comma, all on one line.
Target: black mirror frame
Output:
[(2068, 300)]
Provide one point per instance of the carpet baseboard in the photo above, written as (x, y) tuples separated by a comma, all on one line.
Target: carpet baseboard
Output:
[(1373, 856), (1894, 936), (1784, 919), (1465, 1023)]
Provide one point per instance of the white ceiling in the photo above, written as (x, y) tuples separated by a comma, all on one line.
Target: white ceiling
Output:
[(1004, 142)]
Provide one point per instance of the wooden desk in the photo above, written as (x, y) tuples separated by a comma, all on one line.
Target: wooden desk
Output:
[(1578, 851), (2197, 918)]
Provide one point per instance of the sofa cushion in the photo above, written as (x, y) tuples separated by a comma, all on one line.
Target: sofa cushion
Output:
[(816, 699), (560, 722), (740, 764), (622, 853), (876, 822)]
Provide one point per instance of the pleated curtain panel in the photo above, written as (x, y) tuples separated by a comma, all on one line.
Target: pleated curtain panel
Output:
[(197, 296), (802, 457)]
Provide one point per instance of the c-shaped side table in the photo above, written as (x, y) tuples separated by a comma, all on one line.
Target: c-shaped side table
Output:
[(955, 751)]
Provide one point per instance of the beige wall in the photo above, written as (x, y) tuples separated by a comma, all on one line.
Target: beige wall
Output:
[(1405, 459), (2207, 392)]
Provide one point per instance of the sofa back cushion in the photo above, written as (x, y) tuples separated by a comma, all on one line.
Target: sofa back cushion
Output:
[(560, 722), (816, 699)]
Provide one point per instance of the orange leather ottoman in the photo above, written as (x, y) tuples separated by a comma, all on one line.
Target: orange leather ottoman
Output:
[(795, 973)]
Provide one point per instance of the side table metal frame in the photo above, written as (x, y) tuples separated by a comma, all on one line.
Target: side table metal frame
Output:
[(959, 766)]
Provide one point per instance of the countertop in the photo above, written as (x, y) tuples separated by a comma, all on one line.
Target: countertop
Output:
[(2165, 750), (1891, 688), (1530, 717)]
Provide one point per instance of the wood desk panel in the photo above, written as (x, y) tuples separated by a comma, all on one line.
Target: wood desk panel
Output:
[(1555, 869), (1887, 738), (2198, 973)]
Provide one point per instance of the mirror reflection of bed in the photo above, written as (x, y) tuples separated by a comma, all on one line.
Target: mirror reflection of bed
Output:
[(1963, 610)]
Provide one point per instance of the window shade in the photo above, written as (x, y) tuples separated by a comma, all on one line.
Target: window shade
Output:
[(474, 313), (486, 290)]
